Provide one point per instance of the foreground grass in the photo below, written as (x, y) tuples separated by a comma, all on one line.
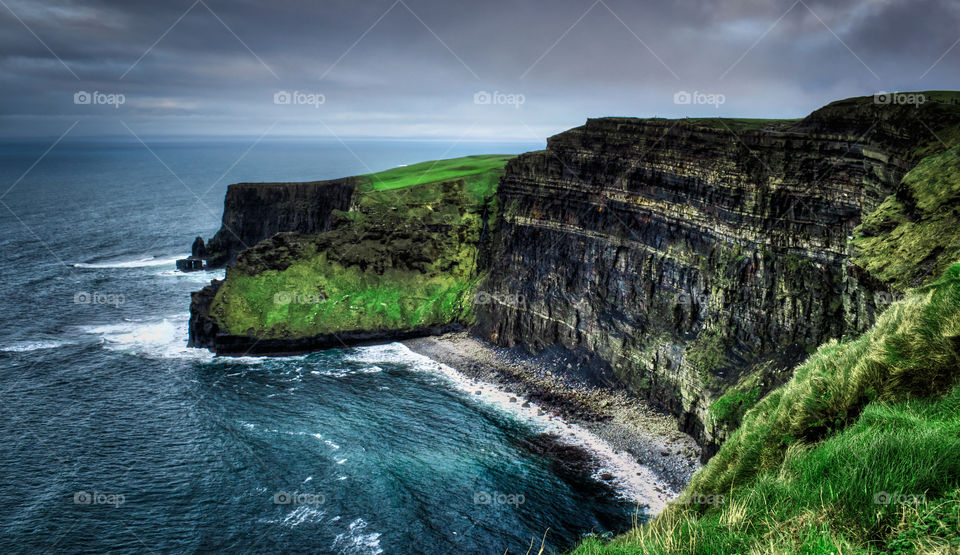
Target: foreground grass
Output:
[(858, 453), (403, 258)]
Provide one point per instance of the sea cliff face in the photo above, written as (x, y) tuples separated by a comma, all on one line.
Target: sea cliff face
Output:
[(692, 262), (253, 212), (692, 259)]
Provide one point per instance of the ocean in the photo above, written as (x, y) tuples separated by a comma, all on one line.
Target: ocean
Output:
[(117, 437)]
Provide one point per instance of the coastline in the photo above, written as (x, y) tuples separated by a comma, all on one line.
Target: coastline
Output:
[(635, 449)]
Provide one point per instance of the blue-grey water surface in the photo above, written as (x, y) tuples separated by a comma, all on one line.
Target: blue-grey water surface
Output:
[(116, 437)]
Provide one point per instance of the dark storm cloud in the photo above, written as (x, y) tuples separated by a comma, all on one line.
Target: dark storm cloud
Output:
[(416, 72)]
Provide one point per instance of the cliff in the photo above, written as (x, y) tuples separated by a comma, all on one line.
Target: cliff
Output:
[(253, 212), (400, 261), (694, 262)]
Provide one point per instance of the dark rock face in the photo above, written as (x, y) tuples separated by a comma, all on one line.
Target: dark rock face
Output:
[(687, 257), (253, 212), (190, 264), (416, 234), (241, 345), (194, 262), (203, 329), (198, 250)]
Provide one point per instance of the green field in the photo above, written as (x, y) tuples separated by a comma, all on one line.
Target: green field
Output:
[(480, 173), (317, 296)]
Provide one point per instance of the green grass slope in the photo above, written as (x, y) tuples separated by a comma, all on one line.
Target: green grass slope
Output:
[(403, 257), (480, 173), (858, 453)]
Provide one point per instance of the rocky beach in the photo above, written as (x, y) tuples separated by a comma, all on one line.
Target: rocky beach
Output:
[(626, 424)]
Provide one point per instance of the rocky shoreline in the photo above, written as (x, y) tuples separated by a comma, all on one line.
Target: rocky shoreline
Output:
[(625, 423)]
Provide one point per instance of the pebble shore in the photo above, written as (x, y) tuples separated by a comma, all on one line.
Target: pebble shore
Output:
[(625, 424)]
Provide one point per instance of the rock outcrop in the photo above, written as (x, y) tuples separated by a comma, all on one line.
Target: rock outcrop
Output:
[(194, 262), (253, 212), (400, 264), (205, 333)]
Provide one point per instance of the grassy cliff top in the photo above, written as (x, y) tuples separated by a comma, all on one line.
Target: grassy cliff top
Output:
[(481, 174), (741, 124)]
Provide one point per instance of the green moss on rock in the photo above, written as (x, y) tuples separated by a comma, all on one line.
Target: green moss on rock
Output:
[(915, 233)]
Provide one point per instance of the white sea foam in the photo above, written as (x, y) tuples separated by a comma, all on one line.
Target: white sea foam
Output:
[(389, 352), (303, 513), (27, 346), (166, 338), (357, 540), (130, 263), (161, 339), (203, 276), (344, 372), (632, 480)]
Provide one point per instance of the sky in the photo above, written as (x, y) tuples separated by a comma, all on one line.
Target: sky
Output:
[(466, 70)]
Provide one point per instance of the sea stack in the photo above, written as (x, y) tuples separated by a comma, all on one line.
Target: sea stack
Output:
[(194, 262)]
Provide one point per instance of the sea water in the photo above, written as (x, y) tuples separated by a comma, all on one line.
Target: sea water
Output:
[(116, 436)]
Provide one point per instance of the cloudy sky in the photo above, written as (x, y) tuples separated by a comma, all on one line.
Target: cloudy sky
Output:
[(431, 68)]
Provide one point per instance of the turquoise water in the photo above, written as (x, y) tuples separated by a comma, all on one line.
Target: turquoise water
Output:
[(116, 437)]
